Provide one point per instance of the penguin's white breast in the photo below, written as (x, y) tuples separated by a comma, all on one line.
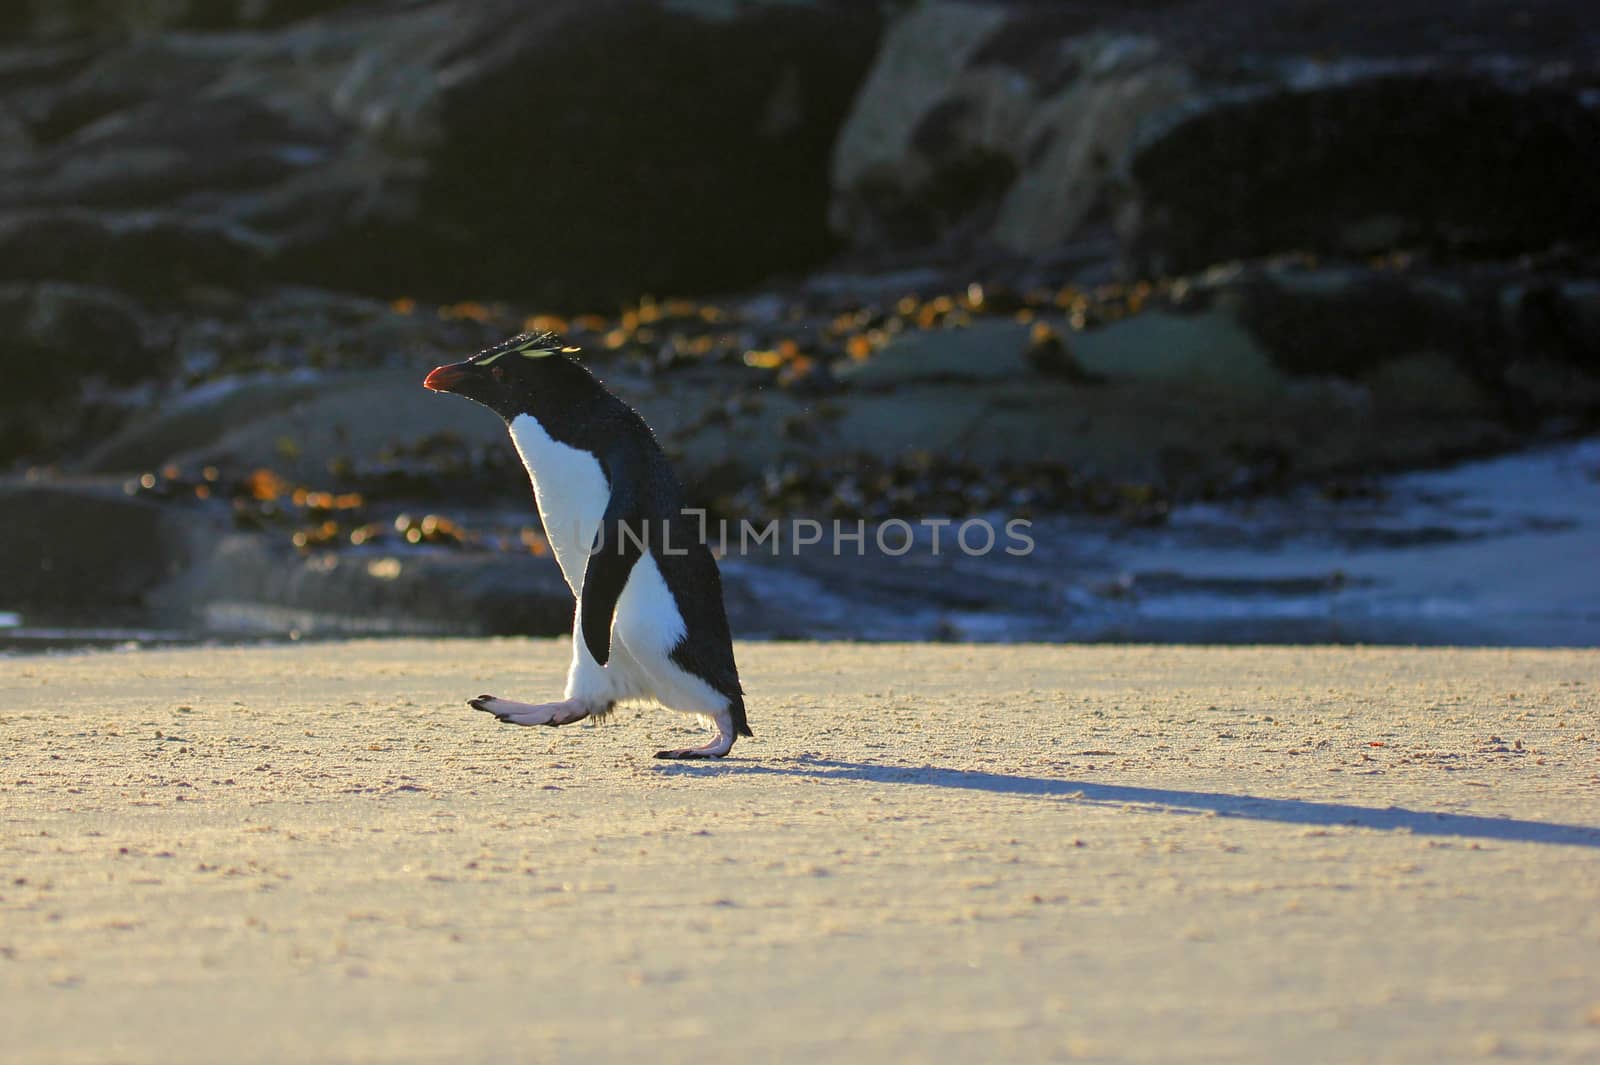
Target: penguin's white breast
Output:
[(571, 490)]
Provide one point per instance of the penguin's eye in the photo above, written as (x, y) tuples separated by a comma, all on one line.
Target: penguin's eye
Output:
[(499, 373)]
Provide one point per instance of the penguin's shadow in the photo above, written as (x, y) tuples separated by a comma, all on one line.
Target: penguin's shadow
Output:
[(1182, 803)]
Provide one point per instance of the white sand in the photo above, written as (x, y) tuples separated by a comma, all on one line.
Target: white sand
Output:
[(932, 853)]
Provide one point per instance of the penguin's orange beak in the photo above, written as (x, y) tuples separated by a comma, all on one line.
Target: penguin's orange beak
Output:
[(446, 378)]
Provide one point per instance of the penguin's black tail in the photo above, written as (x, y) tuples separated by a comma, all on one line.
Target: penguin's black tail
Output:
[(741, 726)]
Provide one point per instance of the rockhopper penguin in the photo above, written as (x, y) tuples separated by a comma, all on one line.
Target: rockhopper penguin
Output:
[(650, 623)]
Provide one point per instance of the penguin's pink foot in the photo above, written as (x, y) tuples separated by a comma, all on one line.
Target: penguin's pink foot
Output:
[(563, 713), (715, 749)]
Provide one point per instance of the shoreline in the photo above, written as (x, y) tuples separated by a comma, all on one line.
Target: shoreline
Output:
[(1492, 552)]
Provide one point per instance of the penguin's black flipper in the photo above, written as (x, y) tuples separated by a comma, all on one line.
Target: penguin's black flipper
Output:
[(619, 544)]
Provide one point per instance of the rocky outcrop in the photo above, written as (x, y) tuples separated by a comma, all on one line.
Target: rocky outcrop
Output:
[(954, 139), (1209, 130), (568, 150)]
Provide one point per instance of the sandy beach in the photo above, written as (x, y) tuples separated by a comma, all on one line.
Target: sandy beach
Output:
[(929, 854)]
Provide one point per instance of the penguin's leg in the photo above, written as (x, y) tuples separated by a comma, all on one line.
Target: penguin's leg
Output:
[(588, 682), (716, 748), (589, 693), (514, 713)]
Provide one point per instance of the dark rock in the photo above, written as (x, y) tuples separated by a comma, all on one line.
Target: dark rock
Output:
[(1495, 341), (87, 544), (1455, 164), (302, 426), (257, 582), (1549, 349), (1049, 355), (186, 425), (147, 255), (1346, 322), (73, 330), (987, 350), (713, 184), (1559, 319), (63, 343), (233, 367), (48, 19), (74, 544)]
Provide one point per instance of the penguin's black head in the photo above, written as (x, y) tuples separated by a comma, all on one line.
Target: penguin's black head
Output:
[(516, 376)]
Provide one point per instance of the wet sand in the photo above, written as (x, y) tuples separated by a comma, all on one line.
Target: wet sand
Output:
[(930, 853)]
